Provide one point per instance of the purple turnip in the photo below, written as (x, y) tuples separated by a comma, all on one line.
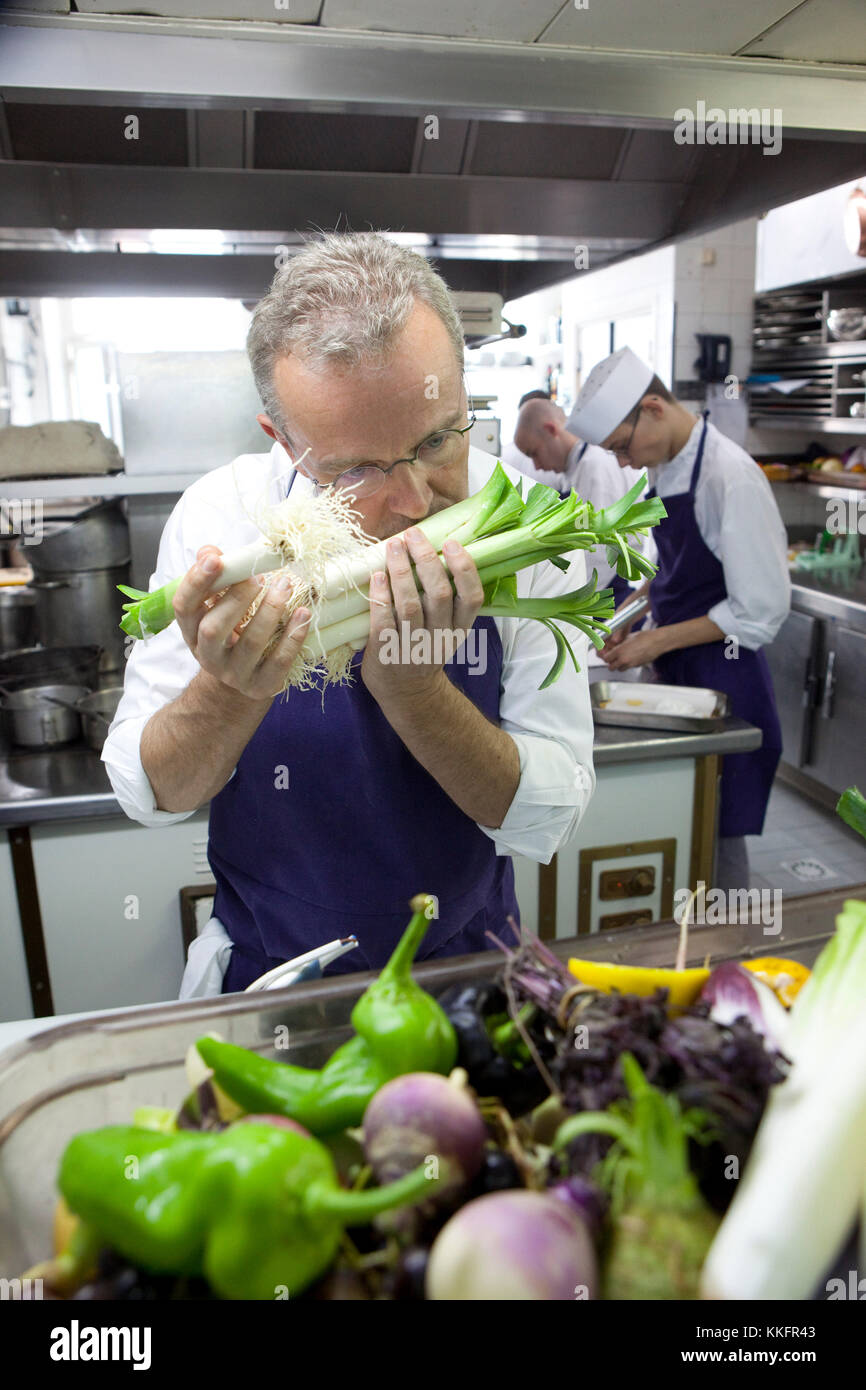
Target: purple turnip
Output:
[(515, 1245), (425, 1118)]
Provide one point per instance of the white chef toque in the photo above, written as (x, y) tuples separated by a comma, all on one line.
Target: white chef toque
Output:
[(612, 389)]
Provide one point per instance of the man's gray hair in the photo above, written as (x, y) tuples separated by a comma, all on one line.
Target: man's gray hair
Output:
[(342, 301)]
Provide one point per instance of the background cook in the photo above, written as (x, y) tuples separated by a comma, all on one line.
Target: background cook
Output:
[(722, 590)]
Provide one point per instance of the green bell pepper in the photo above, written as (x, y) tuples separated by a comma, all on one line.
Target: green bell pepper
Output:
[(399, 1028), (256, 1209)]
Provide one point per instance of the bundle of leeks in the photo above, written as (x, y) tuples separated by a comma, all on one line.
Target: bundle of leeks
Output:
[(320, 542)]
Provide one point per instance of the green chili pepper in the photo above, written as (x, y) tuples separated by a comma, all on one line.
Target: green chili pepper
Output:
[(256, 1209), (398, 1028)]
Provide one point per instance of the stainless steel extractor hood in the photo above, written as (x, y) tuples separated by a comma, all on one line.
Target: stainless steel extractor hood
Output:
[(513, 163)]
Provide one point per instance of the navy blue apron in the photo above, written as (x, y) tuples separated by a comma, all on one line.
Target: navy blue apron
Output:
[(329, 826), (690, 581)]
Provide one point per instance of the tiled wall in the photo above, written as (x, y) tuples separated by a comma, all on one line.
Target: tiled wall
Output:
[(714, 284)]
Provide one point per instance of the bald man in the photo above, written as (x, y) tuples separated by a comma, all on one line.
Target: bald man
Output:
[(561, 460)]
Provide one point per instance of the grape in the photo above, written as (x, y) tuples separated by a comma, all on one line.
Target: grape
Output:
[(409, 1275), (498, 1173)]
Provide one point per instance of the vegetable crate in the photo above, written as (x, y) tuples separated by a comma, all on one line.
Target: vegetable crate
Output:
[(97, 1072)]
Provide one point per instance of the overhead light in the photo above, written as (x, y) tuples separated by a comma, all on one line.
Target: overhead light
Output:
[(409, 239), (196, 240)]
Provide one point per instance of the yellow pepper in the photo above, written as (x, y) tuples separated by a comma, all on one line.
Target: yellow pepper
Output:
[(683, 986), (785, 977)]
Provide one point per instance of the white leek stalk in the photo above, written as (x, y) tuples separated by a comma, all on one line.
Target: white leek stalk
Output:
[(803, 1185)]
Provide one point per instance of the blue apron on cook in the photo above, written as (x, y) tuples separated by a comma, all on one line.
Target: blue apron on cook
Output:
[(690, 581), (330, 826)]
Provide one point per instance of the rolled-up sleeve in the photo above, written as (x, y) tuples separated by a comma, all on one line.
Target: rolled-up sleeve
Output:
[(552, 729), (158, 670), (753, 548)]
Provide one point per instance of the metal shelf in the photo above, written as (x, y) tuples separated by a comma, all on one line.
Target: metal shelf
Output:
[(822, 424), (825, 490), (100, 485)]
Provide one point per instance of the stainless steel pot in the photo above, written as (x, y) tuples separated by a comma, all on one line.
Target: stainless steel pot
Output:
[(32, 666), (34, 722), (97, 711), (97, 539), (17, 617), (847, 325), (84, 608)]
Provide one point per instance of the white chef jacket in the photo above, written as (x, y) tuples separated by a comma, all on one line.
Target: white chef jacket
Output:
[(594, 474), (552, 728), (740, 524), (515, 458)]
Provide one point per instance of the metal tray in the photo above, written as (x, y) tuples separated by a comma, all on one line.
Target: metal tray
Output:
[(97, 1071), (600, 691), (844, 478)]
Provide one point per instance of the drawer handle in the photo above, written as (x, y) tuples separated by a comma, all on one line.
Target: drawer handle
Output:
[(829, 687)]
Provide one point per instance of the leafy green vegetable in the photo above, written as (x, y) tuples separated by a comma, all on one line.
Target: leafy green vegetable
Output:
[(851, 806), (661, 1228)]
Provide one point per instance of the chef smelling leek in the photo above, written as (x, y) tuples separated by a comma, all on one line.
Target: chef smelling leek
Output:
[(722, 590), (327, 815)]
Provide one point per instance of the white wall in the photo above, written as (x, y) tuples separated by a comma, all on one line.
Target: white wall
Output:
[(538, 312), (805, 241), (25, 398), (644, 284)]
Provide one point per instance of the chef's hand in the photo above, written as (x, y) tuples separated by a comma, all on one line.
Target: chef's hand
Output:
[(210, 624), (635, 649), (622, 633), (399, 666)]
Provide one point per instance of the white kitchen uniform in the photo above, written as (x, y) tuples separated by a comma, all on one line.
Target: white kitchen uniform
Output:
[(552, 729), (515, 458), (594, 474), (739, 522)]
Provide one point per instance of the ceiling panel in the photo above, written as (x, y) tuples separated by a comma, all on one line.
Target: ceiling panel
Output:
[(38, 6), (290, 12), (665, 26), (501, 21), (546, 151), (825, 31)]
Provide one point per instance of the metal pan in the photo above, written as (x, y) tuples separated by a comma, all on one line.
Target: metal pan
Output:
[(32, 666), (42, 718), (601, 692)]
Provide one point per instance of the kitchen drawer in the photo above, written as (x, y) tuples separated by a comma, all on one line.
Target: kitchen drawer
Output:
[(109, 894), (794, 659), (838, 755), (15, 1001)]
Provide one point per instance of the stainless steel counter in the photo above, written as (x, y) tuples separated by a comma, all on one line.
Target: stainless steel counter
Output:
[(642, 745), (822, 597), (71, 783)]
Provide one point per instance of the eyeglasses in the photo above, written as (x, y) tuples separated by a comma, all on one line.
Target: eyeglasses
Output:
[(436, 451), (623, 450)]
